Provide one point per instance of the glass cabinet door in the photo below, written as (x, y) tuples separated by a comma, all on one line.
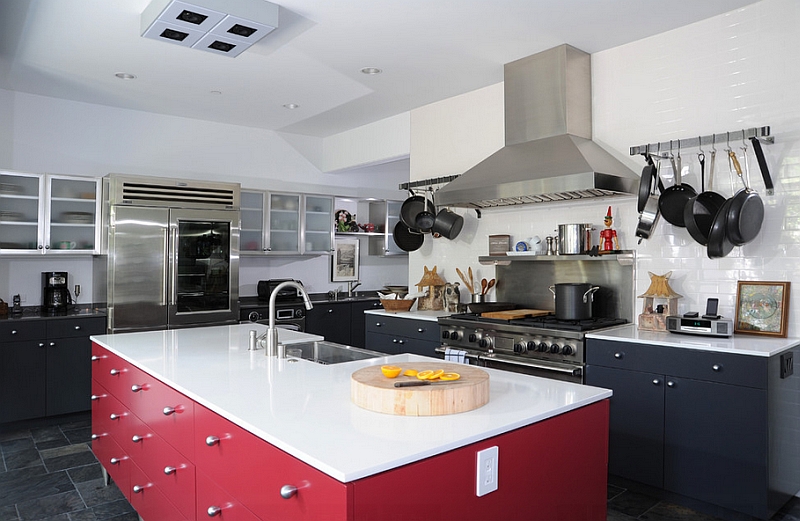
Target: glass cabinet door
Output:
[(318, 224), (284, 223), (71, 214), (252, 232), (20, 212)]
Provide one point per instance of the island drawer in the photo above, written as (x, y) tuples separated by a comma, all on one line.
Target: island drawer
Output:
[(211, 497), (12, 331), (232, 456), (150, 502), (111, 456), (408, 327), (712, 366)]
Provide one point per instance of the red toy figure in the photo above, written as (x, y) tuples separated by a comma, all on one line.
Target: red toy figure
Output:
[(609, 235)]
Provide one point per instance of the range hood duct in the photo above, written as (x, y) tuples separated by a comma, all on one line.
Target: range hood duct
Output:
[(549, 153)]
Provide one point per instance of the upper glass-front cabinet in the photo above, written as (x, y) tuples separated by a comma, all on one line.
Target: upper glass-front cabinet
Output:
[(48, 214), (286, 223)]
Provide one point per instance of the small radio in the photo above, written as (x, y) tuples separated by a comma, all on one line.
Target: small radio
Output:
[(700, 326)]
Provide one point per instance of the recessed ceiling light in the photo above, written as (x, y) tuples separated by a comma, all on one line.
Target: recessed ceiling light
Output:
[(125, 76), (371, 70), (291, 106)]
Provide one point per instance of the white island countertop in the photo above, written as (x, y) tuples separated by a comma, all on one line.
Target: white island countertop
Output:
[(304, 408), (752, 345), (430, 315)]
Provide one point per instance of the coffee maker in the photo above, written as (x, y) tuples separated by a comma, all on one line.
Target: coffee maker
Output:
[(55, 292)]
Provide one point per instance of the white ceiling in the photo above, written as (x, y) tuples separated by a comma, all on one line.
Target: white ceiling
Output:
[(429, 50)]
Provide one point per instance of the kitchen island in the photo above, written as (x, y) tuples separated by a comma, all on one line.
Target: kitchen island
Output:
[(238, 428)]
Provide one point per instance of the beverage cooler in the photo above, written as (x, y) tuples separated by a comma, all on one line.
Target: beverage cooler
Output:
[(172, 254)]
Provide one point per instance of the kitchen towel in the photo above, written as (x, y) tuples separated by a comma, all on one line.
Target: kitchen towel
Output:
[(455, 355)]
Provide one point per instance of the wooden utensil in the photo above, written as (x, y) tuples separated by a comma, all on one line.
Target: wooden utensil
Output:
[(484, 283), (465, 281), (490, 285)]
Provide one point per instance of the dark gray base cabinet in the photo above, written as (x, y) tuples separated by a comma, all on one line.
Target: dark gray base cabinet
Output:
[(340, 322), (395, 335), (45, 366), (716, 427)]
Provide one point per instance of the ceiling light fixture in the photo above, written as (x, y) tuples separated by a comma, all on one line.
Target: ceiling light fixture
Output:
[(226, 27), (371, 70), (292, 106), (125, 76)]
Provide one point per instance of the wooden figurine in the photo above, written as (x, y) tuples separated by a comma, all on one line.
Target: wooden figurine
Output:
[(654, 317), (434, 300)]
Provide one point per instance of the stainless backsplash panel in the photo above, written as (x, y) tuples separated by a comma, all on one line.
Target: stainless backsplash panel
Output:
[(527, 282)]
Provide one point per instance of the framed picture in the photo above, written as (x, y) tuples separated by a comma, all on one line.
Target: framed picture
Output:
[(344, 263), (762, 308)]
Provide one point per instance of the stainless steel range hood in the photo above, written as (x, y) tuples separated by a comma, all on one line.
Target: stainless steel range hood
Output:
[(549, 153)]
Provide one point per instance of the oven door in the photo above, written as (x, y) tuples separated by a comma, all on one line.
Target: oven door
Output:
[(284, 318), (545, 369)]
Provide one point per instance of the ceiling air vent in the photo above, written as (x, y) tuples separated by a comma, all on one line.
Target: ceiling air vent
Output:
[(172, 193), (225, 27)]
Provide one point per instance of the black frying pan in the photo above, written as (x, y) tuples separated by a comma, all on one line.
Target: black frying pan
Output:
[(746, 211), (718, 243), (700, 210), (410, 208), (406, 239), (648, 173), (673, 200)]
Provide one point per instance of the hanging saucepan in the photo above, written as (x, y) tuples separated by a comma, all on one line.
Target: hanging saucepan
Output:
[(700, 210), (447, 224), (407, 239), (648, 218), (425, 219), (746, 211), (410, 208), (673, 200)]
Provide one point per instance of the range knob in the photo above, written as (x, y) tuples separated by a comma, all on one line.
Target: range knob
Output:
[(445, 334), (485, 342), (543, 347), (568, 350), (473, 337), (455, 335), (519, 347), (531, 345), (555, 348), (254, 316)]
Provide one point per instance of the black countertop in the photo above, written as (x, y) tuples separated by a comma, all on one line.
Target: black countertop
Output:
[(75, 311), (316, 298)]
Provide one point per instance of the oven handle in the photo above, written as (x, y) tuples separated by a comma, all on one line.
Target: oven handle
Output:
[(468, 354), (574, 371)]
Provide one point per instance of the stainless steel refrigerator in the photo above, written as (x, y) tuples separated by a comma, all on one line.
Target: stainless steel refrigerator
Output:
[(172, 254)]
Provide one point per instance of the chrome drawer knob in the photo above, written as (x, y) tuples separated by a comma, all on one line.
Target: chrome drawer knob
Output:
[(619, 356), (98, 436), (656, 382), (716, 367), (670, 384), (213, 511), (212, 440), (95, 358), (136, 388), (168, 410), (77, 328), (170, 470), (420, 330), (114, 416), (116, 461), (114, 372), (138, 489), (287, 491), (96, 397), (136, 438)]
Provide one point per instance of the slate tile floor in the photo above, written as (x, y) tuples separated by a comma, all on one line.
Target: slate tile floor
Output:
[(48, 473)]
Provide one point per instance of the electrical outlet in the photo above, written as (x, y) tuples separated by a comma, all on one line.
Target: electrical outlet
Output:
[(486, 472), (787, 365)]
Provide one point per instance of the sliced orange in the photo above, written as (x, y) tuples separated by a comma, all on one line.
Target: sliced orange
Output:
[(390, 371), (449, 376), (436, 374), (424, 375), (410, 372)]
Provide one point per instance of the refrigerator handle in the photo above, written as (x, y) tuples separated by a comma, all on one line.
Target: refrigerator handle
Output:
[(171, 248)]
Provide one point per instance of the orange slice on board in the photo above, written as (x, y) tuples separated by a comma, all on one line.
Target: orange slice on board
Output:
[(390, 371)]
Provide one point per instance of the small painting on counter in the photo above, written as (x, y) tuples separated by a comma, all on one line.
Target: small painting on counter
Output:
[(762, 308), (344, 262)]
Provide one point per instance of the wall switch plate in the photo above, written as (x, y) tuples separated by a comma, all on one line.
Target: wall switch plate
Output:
[(486, 474)]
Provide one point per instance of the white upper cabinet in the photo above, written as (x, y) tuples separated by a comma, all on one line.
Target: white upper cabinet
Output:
[(48, 214)]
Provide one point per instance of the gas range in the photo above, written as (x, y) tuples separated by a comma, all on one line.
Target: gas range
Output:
[(544, 346)]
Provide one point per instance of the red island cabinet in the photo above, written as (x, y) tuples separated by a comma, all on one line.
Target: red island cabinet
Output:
[(222, 470)]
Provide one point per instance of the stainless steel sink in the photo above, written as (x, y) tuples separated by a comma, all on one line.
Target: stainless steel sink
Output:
[(324, 352)]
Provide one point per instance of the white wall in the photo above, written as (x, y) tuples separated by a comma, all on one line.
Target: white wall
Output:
[(713, 76), (44, 134)]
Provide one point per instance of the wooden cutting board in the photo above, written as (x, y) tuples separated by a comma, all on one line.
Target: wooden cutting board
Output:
[(373, 391), (512, 314)]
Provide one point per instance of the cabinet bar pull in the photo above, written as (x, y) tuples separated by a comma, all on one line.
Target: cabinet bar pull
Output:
[(170, 470), (136, 388), (212, 440), (213, 511), (168, 410), (287, 491)]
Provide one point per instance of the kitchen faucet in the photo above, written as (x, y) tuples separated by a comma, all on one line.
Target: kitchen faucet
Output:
[(271, 335), (351, 287)]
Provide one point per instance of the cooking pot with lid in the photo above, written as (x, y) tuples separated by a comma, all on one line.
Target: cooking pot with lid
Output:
[(574, 239), (573, 300)]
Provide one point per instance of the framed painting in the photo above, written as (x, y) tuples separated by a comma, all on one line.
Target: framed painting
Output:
[(344, 262), (762, 308)]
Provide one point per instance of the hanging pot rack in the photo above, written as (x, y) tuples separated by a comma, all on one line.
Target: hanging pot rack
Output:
[(756, 135), (427, 182)]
